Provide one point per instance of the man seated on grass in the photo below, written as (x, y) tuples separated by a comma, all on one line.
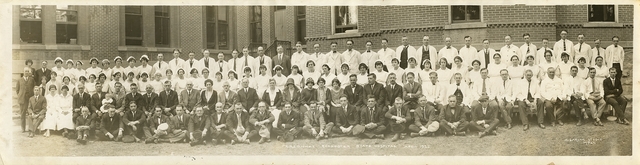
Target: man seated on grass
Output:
[(484, 118), (425, 119), (262, 120), (180, 122), (111, 126), (218, 124), (453, 119), (238, 126), (372, 119), (314, 123), (160, 129), (288, 124), (133, 121), (84, 123), (398, 117), (198, 128)]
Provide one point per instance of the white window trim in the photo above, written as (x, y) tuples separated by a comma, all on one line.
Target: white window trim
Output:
[(333, 21), (481, 14)]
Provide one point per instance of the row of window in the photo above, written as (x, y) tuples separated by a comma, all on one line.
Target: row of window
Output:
[(217, 22)]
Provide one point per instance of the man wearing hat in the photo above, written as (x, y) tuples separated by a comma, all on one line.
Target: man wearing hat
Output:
[(372, 119), (58, 68), (132, 66), (314, 123), (375, 89), (43, 72), (94, 69), (237, 123), (160, 66), (247, 96), (484, 118), (289, 124), (425, 119), (262, 120), (354, 91), (198, 128), (25, 89), (399, 118)]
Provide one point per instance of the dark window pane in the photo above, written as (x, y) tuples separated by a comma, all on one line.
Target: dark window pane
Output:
[(162, 11), (302, 31), (601, 13), (256, 24), (473, 12), (133, 26), (223, 30), (162, 31), (211, 36), (65, 32), (133, 9), (281, 7), (210, 13), (301, 10), (31, 31), (457, 12), (465, 13)]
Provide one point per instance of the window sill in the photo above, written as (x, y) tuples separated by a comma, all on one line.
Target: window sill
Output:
[(344, 35), (472, 25), (51, 47), (602, 24), (144, 49)]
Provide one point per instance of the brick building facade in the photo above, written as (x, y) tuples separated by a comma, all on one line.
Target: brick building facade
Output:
[(101, 31)]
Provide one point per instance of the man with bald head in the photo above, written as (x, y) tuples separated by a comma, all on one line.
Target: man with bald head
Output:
[(227, 97), (149, 100), (508, 50), (550, 93), (190, 97), (81, 99), (248, 96), (218, 124), (447, 51)]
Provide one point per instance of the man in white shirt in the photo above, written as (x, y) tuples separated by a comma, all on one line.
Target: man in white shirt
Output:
[(528, 48), (504, 95), (385, 53), (299, 57), (461, 91), (574, 96), (334, 59), (207, 62), (540, 54), (483, 88), (220, 66), (369, 57), (434, 91), (615, 56), (551, 94), (563, 45), (427, 52), (581, 49), (595, 52), (350, 56), (509, 50), (528, 99), (177, 62), (485, 54), (595, 96), (261, 59), (448, 51), (467, 52), (404, 51), (318, 57), (236, 63), (160, 66), (191, 63)]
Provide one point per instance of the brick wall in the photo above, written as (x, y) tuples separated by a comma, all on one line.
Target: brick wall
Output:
[(268, 28), (518, 13), (625, 13), (537, 33), (191, 30), (242, 28), (318, 21), (374, 18), (572, 13), (104, 31), (289, 25)]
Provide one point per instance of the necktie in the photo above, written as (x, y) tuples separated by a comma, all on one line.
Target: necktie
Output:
[(580, 49), (371, 115), (399, 112), (484, 86), (221, 64), (486, 58), (235, 63), (593, 85), (36, 97), (26, 79), (191, 63), (529, 91), (206, 62), (504, 83), (598, 51), (246, 59), (261, 60), (159, 64), (564, 44), (246, 90), (528, 46), (403, 58)]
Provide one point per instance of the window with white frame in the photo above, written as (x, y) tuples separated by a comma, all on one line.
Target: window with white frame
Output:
[(465, 13)]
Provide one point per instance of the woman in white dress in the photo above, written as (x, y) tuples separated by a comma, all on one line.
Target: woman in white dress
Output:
[(94, 69), (395, 68), (363, 71), (311, 71), (343, 76), (516, 72), (157, 82), (474, 74), (296, 76), (90, 85), (249, 76), (281, 80), (444, 73), (194, 77), (66, 81), (460, 67), (102, 79), (260, 80), (54, 81), (117, 77), (130, 80), (535, 69), (546, 64), (413, 67), (71, 71), (583, 70), (81, 80), (381, 75), (180, 82), (602, 71), (494, 68), (79, 70), (326, 73), (234, 82), (423, 75), (50, 120), (200, 81), (143, 82), (218, 82), (564, 66), (64, 104)]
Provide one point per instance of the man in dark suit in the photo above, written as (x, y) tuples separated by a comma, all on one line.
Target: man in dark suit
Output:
[(484, 118), (354, 92), (43, 72), (168, 99), (613, 96), (372, 119), (111, 126), (155, 135), (209, 105), (134, 96), (289, 124), (238, 126), (393, 91), (374, 89), (96, 100), (227, 97), (84, 123), (24, 89), (262, 119), (282, 60), (399, 118), (248, 96), (134, 121), (453, 119), (189, 97), (81, 99), (180, 122), (411, 91), (149, 100), (37, 110), (218, 124), (198, 128), (314, 123), (347, 117), (425, 120)]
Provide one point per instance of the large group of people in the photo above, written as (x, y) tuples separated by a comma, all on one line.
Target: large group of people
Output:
[(407, 91)]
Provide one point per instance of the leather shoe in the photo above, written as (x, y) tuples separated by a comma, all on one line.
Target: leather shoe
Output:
[(261, 141), (626, 122), (553, 124), (395, 138), (526, 127), (482, 134), (509, 126), (560, 123), (579, 123), (542, 126)]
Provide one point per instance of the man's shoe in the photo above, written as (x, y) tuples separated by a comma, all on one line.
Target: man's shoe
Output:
[(526, 127), (553, 124), (413, 134), (481, 134), (192, 144), (280, 138), (462, 133), (626, 122), (233, 142), (560, 123), (542, 126), (395, 138), (579, 123), (509, 126), (261, 141), (64, 134)]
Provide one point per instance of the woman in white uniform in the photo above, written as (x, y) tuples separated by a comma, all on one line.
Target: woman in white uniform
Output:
[(444, 73), (474, 74), (281, 80), (381, 75), (343, 76), (535, 69), (234, 82), (260, 80), (64, 104), (50, 120), (327, 74), (363, 71), (90, 85), (423, 75), (516, 72), (296, 76)]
